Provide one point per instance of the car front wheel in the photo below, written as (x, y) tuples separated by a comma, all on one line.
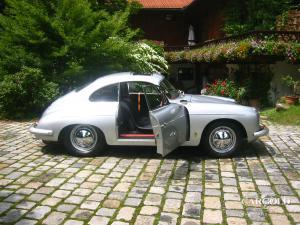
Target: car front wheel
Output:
[(222, 138), (83, 140)]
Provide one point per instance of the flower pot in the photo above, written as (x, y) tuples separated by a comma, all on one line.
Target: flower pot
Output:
[(254, 103), (291, 100)]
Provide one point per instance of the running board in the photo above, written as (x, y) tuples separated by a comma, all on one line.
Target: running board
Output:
[(137, 136)]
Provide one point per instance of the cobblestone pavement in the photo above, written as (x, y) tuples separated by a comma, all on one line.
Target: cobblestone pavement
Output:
[(44, 185)]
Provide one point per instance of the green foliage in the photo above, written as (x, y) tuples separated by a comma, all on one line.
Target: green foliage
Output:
[(257, 81), (25, 93), (291, 116), (239, 51), (242, 16), (290, 82), (70, 42), (148, 59), (225, 88)]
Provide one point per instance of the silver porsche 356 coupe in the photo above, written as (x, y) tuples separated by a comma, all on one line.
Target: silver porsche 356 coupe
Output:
[(146, 110)]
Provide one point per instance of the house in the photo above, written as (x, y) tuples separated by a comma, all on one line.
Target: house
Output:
[(190, 27)]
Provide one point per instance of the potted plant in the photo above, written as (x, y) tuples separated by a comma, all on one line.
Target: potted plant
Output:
[(292, 83)]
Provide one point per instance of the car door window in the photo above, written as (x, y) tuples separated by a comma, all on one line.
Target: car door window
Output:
[(106, 94), (155, 98)]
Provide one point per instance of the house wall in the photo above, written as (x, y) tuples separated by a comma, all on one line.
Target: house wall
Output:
[(280, 69), (168, 27), (172, 26)]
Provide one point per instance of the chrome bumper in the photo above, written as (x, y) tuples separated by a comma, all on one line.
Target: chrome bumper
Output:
[(40, 132), (262, 132)]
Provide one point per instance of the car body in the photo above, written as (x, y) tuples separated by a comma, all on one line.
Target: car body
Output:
[(171, 118)]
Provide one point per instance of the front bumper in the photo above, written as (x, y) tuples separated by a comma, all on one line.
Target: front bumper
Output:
[(39, 133), (262, 132)]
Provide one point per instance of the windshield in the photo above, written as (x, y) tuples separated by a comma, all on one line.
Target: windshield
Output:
[(169, 89)]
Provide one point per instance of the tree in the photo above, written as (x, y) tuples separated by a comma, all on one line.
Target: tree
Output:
[(69, 42), (242, 16)]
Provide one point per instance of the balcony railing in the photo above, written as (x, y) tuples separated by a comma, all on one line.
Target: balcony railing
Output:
[(286, 36)]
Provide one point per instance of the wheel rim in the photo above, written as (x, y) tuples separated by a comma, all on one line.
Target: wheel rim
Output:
[(222, 139), (84, 138)]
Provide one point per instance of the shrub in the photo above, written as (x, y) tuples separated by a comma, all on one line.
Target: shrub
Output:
[(68, 43), (25, 93), (148, 60), (225, 88)]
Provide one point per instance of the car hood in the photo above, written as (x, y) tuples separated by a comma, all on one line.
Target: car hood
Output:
[(203, 99)]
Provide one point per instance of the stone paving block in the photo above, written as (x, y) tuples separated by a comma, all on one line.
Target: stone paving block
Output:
[(189, 221), (109, 203), (142, 220), (98, 220), (191, 210), (73, 222), (37, 186), (172, 205), (105, 212), (125, 213), (168, 219), (92, 205), (39, 212), (279, 219), (211, 216), (153, 199), (149, 210), (26, 222), (133, 201), (66, 208), (55, 218), (12, 216), (25, 205), (4, 206), (212, 202), (82, 214), (236, 221)]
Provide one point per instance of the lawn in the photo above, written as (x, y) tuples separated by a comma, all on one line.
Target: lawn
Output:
[(287, 117)]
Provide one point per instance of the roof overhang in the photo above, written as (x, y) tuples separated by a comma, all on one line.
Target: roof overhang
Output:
[(165, 4)]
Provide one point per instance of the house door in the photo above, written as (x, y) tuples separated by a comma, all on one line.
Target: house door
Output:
[(169, 120)]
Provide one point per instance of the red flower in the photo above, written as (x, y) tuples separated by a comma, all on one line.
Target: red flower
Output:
[(222, 92), (223, 83)]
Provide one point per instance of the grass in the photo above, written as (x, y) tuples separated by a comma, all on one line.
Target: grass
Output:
[(290, 116)]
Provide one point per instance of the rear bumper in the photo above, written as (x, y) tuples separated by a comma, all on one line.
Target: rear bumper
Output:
[(262, 132), (40, 133)]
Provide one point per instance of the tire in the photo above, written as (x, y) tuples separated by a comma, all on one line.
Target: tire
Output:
[(222, 139), (84, 140)]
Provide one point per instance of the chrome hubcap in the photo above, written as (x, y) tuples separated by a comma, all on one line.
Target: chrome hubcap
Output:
[(222, 139), (83, 138)]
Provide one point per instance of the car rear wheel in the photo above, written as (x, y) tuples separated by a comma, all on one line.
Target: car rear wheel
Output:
[(222, 138), (84, 140)]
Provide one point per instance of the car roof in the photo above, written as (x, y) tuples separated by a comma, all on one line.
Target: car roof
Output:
[(121, 77), (128, 76)]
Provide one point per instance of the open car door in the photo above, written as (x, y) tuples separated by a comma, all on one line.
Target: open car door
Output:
[(169, 120)]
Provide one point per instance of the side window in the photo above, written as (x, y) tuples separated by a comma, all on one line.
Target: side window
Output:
[(106, 94), (135, 87), (155, 98)]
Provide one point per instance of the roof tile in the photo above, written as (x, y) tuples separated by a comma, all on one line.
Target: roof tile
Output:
[(165, 4)]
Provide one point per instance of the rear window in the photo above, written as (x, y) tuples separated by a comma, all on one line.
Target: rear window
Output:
[(106, 94)]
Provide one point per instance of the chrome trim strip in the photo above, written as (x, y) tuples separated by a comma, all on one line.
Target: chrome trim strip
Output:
[(38, 131)]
